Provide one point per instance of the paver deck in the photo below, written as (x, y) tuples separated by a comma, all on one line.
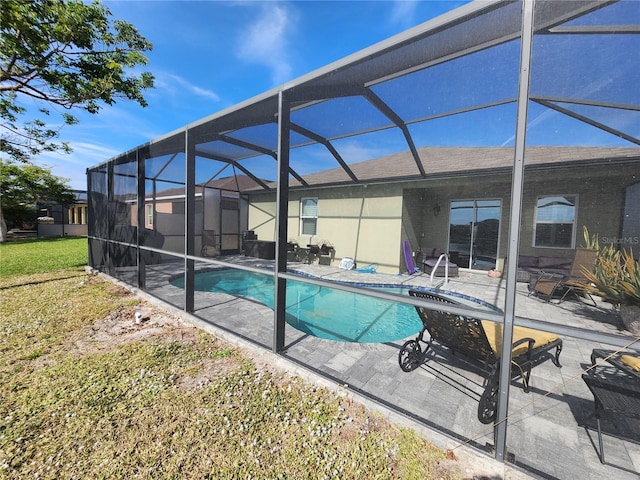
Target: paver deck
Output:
[(550, 431)]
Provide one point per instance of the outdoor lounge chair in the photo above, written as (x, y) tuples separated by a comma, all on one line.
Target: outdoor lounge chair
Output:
[(615, 386), (481, 342), (549, 284)]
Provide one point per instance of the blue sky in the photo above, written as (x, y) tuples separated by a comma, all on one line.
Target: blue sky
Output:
[(209, 55)]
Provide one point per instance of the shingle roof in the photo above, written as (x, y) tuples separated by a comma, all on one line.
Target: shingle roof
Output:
[(448, 161), (233, 183)]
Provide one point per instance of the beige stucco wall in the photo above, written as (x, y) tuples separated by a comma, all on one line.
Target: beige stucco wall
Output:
[(433, 230), (262, 216), (600, 192), (363, 223), (369, 224), (366, 228)]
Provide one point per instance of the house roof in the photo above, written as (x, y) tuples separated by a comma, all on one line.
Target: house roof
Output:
[(454, 161), (233, 183), (228, 184)]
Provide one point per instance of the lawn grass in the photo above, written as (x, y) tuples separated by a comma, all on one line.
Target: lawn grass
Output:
[(79, 402), (24, 257)]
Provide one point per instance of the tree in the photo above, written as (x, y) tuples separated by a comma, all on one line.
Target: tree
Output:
[(23, 186), (66, 55)]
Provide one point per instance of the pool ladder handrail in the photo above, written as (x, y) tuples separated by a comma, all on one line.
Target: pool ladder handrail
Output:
[(446, 271)]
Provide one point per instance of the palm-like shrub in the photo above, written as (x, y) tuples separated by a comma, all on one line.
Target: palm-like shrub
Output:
[(616, 276)]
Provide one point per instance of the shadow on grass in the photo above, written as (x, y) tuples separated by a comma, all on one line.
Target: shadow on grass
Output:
[(39, 282), (24, 240)]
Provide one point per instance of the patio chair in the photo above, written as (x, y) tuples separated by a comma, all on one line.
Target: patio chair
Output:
[(293, 251), (547, 285), (430, 259), (615, 387), (626, 361), (480, 341)]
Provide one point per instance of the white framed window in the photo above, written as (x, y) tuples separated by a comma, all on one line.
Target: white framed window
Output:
[(308, 216), (555, 221), (149, 215)]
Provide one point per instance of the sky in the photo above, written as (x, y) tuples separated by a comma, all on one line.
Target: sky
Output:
[(209, 55)]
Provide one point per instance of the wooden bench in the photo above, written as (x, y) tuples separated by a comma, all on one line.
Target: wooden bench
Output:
[(481, 342)]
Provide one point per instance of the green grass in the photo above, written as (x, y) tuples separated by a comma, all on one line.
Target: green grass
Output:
[(24, 257), (79, 402)]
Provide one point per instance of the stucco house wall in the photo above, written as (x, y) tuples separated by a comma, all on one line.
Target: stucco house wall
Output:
[(68, 219), (600, 192), (369, 223), (364, 223)]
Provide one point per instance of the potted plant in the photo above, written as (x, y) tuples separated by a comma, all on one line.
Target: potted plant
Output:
[(616, 278)]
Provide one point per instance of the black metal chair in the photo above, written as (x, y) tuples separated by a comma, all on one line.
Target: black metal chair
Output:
[(615, 387), (480, 341)]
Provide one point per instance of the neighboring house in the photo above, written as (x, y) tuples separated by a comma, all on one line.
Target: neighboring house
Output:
[(462, 204), (220, 216), (64, 219)]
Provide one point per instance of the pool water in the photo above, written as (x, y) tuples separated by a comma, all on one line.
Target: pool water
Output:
[(319, 311)]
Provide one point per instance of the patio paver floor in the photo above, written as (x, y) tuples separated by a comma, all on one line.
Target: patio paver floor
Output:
[(546, 435)]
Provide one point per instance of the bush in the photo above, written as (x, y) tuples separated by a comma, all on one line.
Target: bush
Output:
[(616, 276)]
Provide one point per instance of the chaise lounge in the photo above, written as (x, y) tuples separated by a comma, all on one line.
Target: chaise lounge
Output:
[(547, 284), (480, 341)]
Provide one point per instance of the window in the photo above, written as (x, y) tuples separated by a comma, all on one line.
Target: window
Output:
[(177, 208), (78, 215), (149, 215), (308, 216), (555, 221)]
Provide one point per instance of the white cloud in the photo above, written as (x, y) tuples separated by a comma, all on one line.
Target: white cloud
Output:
[(265, 42), (82, 151), (174, 84), (354, 151), (73, 166), (402, 12)]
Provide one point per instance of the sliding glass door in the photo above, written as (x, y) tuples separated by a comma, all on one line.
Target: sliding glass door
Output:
[(474, 229)]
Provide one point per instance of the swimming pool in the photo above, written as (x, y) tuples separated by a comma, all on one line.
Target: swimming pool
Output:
[(320, 311)]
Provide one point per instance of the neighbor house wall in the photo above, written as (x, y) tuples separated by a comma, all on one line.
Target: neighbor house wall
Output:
[(59, 230)]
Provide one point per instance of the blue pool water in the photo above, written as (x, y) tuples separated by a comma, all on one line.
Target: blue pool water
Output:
[(320, 311)]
